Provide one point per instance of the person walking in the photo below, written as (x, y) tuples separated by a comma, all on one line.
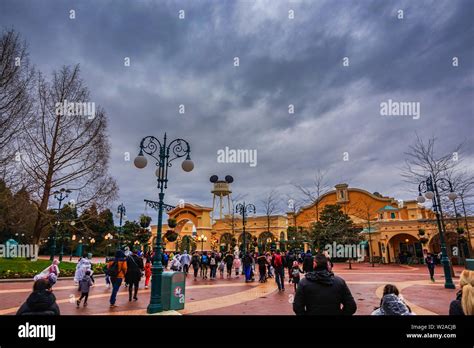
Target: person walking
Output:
[(41, 301), (430, 263), (133, 274), (117, 270), (464, 302), (213, 266), (290, 258), (320, 292), (279, 267), (247, 263), (237, 264), (262, 268), (185, 261), (269, 264), (308, 262), (164, 260), (204, 264), (147, 272), (84, 286), (195, 262), (229, 260), (175, 265), (221, 268), (295, 274), (105, 269)]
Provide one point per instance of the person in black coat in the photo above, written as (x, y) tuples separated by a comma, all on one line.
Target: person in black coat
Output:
[(308, 262), (41, 301), (229, 260), (455, 307), (134, 274), (322, 293)]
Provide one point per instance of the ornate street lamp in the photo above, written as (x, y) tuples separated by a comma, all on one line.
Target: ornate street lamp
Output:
[(73, 238), (244, 209), (60, 196), (92, 241), (430, 188), (164, 154), (121, 216), (202, 239), (107, 237)]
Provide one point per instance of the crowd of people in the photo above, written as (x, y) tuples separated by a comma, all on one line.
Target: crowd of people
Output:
[(317, 290)]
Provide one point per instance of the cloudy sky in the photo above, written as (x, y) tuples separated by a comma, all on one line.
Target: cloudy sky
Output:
[(282, 61)]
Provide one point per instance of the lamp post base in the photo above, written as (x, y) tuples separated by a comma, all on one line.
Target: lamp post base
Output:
[(154, 308), (448, 282)]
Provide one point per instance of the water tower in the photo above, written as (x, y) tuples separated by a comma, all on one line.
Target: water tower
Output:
[(220, 191)]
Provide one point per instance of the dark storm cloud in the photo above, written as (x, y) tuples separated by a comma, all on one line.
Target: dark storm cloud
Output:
[(282, 62)]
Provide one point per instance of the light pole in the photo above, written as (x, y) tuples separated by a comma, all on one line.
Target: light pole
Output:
[(164, 154), (60, 196), (73, 238), (107, 237), (121, 215), (430, 188), (202, 238), (92, 245), (244, 209)]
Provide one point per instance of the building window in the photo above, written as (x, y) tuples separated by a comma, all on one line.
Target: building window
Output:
[(381, 216), (392, 215)]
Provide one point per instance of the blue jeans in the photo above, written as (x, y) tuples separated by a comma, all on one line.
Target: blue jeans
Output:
[(116, 282), (280, 277), (247, 272)]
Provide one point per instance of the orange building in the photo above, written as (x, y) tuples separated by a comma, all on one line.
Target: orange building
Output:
[(197, 231), (391, 227)]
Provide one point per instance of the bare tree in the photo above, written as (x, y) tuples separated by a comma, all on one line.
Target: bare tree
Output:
[(232, 222), (461, 207), (313, 193), (65, 151), (422, 161), (16, 80), (270, 206)]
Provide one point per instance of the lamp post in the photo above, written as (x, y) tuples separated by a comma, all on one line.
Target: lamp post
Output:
[(202, 238), (244, 209), (107, 237), (60, 196), (164, 154), (92, 244), (121, 216), (73, 238), (430, 188)]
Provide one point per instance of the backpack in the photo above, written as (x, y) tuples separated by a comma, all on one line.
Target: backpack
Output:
[(295, 273), (204, 259), (213, 261), (277, 261), (114, 269)]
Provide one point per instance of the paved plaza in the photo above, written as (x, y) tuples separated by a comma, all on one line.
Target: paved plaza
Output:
[(235, 297)]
